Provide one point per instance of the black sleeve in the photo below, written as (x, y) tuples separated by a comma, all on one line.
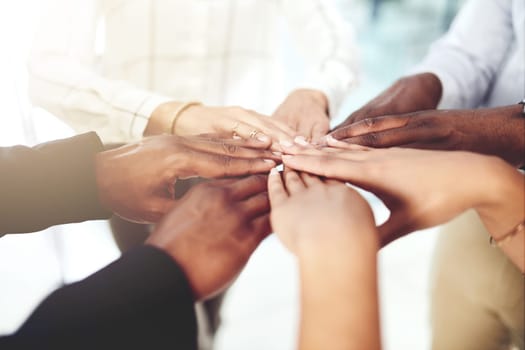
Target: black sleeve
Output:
[(52, 183), (141, 301)]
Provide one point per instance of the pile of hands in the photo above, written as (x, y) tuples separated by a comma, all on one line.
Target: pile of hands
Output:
[(215, 227)]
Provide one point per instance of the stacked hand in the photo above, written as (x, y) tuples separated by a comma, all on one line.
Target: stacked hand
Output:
[(136, 181), (421, 188), (214, 229)]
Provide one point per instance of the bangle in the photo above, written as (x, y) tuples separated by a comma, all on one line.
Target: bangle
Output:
[(177, 114), (498, 242)]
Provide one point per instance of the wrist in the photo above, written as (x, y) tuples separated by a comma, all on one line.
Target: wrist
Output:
[(501, 206), (315, 96), (160, 120)]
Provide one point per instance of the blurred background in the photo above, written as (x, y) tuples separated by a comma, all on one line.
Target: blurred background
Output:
[(260, 311)]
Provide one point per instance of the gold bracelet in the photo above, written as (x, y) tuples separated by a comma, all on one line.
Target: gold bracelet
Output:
[(498, 242), (178, 113)]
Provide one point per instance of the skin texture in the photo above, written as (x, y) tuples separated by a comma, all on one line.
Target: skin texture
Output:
[(136, 181), (420, 197), (330, 228), (493, 131), (214, 229), (225, 122), (409, 94), (306, 112)]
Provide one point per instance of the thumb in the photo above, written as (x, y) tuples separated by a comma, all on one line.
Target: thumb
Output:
[(394, 228)]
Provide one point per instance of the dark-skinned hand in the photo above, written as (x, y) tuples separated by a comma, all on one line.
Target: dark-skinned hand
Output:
[(136, 181), (409, 94), (492, 131), (214, 229)]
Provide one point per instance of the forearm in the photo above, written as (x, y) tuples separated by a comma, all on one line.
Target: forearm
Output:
[(339, 296), (52, 183), (503, 208)]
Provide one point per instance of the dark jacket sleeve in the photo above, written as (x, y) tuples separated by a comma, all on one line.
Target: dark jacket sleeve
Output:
[(141, 301), (52, 183)]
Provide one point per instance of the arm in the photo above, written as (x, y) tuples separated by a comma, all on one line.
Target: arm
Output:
[(458, 181), (142, 300), (339, 294), (496, 131), (63, 79), (459, 69), (71, 180), (145, 299), (469, 57), (331, 230), (326, 42), (49, 184)]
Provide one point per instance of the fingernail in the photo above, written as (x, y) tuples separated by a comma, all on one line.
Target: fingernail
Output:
[(301, 140), (236, 137), (286, 143), (269, 161), (274, 171), (330, 138), (262, 137), (277, 154)]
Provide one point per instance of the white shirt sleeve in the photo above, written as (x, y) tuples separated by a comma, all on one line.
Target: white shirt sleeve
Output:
[(327, 43), (470, 55), (63, 78)]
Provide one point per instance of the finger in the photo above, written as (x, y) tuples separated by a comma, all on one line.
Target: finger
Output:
[(212, 165), (256, 205), (227, 137), (247, 187), (399, 137), (233, 148), (276, 189), (310, 180), (293, 182), (257, 125), (330, 141), (324, 165), (370, 125)]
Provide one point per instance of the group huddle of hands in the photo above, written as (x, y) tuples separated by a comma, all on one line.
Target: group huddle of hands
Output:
[(214, 228)]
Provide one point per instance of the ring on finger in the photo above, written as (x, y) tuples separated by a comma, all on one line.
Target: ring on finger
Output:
[(253, 134)]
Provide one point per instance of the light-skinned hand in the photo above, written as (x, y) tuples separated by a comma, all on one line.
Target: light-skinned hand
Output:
[(306, 112), (421, 188)]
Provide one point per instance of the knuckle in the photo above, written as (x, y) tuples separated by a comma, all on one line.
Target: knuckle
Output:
[(229, 148)]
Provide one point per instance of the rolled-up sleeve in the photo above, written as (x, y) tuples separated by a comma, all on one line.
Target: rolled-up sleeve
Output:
[(469, 57), (64, 81)]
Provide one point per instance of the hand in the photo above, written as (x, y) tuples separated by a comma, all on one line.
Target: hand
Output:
[(410, 94), (307, 211), (495, 131), (214, 229), (306, 112), (421, 188), (225, 122), (331, 229), (136, 181)]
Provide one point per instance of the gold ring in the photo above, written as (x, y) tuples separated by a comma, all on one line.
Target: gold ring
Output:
[(253, 133)]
